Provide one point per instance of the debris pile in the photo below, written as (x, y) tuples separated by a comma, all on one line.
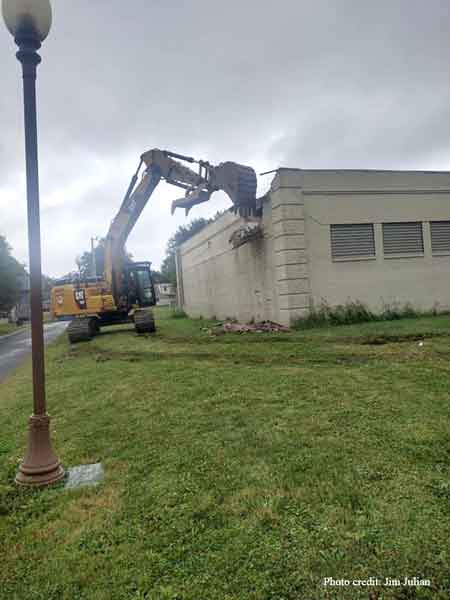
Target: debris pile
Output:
[(246, 233), (234, 327)]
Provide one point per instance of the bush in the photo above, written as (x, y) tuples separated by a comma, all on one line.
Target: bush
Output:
[(391, 312), (354, 312)]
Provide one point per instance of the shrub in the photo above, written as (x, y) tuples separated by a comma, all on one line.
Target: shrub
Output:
[(354, 312), (394, 311)]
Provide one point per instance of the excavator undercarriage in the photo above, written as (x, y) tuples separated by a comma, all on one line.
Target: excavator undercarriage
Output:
[(83, 329)]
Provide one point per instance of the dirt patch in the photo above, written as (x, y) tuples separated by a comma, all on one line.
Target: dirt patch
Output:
[(249, 359)]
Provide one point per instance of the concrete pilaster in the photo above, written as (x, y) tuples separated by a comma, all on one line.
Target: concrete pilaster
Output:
[(291, 265)]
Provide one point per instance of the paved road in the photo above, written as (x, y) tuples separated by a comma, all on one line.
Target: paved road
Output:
[(15, 347)]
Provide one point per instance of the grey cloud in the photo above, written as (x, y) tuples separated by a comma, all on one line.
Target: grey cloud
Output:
[(352, 83)]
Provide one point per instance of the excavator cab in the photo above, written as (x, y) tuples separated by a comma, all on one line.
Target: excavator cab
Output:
[(139, 284)]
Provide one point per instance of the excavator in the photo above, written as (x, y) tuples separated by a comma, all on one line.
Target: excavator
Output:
[(125, 293)]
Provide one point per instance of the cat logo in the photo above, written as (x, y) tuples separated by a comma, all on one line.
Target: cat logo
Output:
[(80, 298)]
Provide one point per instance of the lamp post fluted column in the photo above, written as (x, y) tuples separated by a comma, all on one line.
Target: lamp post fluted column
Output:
[(29, 22)]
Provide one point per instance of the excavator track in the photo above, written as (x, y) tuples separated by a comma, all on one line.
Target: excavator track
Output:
[(144, 321), (82, 330)]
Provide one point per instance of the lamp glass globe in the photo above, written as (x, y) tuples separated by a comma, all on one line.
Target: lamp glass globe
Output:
[(28, 13)]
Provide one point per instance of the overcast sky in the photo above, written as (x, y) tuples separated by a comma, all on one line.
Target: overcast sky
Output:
[(306, 84)]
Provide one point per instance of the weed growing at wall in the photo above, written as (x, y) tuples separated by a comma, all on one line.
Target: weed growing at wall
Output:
[(357, 312)]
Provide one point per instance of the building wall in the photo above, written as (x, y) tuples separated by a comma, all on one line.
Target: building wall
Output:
[(216, 280), (377, 198), (283, 275)]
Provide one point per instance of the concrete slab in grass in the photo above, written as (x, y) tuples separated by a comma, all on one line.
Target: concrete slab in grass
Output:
[(84, 475)]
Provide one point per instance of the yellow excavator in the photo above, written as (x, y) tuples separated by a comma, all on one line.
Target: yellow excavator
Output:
[(126, 293)]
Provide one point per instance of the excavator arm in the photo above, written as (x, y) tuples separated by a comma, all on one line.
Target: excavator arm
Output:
[(237, 181)]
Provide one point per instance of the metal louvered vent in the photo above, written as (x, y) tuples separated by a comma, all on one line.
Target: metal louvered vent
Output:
[(352, 240), (440, 236), (402, 238)]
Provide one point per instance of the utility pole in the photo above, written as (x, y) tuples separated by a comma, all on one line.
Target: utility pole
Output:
[(94, 260)]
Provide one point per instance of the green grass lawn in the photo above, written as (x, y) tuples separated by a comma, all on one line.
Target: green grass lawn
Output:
[(6, 328), (237, 466)]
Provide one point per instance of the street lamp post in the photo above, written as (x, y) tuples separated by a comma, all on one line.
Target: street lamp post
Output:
[(29, 22)]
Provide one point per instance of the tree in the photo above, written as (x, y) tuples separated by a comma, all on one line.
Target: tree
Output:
[(11, 276), (85, 262), (47, 284), (182, 234), (157, 276)]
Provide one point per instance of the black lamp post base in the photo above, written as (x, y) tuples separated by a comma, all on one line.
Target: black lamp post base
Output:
[(40, 467)]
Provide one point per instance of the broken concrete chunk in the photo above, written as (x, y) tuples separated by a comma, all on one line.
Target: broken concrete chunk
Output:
[(247, 233), (261, 327)]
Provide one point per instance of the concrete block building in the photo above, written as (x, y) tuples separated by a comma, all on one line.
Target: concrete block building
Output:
[(378, 237)]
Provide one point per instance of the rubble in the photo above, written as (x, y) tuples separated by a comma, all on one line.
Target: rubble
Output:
[(251, 231), (234, 327)]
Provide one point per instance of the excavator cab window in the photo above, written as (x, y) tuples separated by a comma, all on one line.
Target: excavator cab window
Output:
[(140, 287), (132, 289)]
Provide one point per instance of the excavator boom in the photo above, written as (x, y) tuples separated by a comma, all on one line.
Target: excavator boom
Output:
[(237, 181)]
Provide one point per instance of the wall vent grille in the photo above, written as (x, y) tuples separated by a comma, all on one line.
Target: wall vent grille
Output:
[(440, 236), (402, 238), (352, 240)]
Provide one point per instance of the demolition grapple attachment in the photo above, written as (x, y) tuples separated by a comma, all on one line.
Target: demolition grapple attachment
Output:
[(237, 181)]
